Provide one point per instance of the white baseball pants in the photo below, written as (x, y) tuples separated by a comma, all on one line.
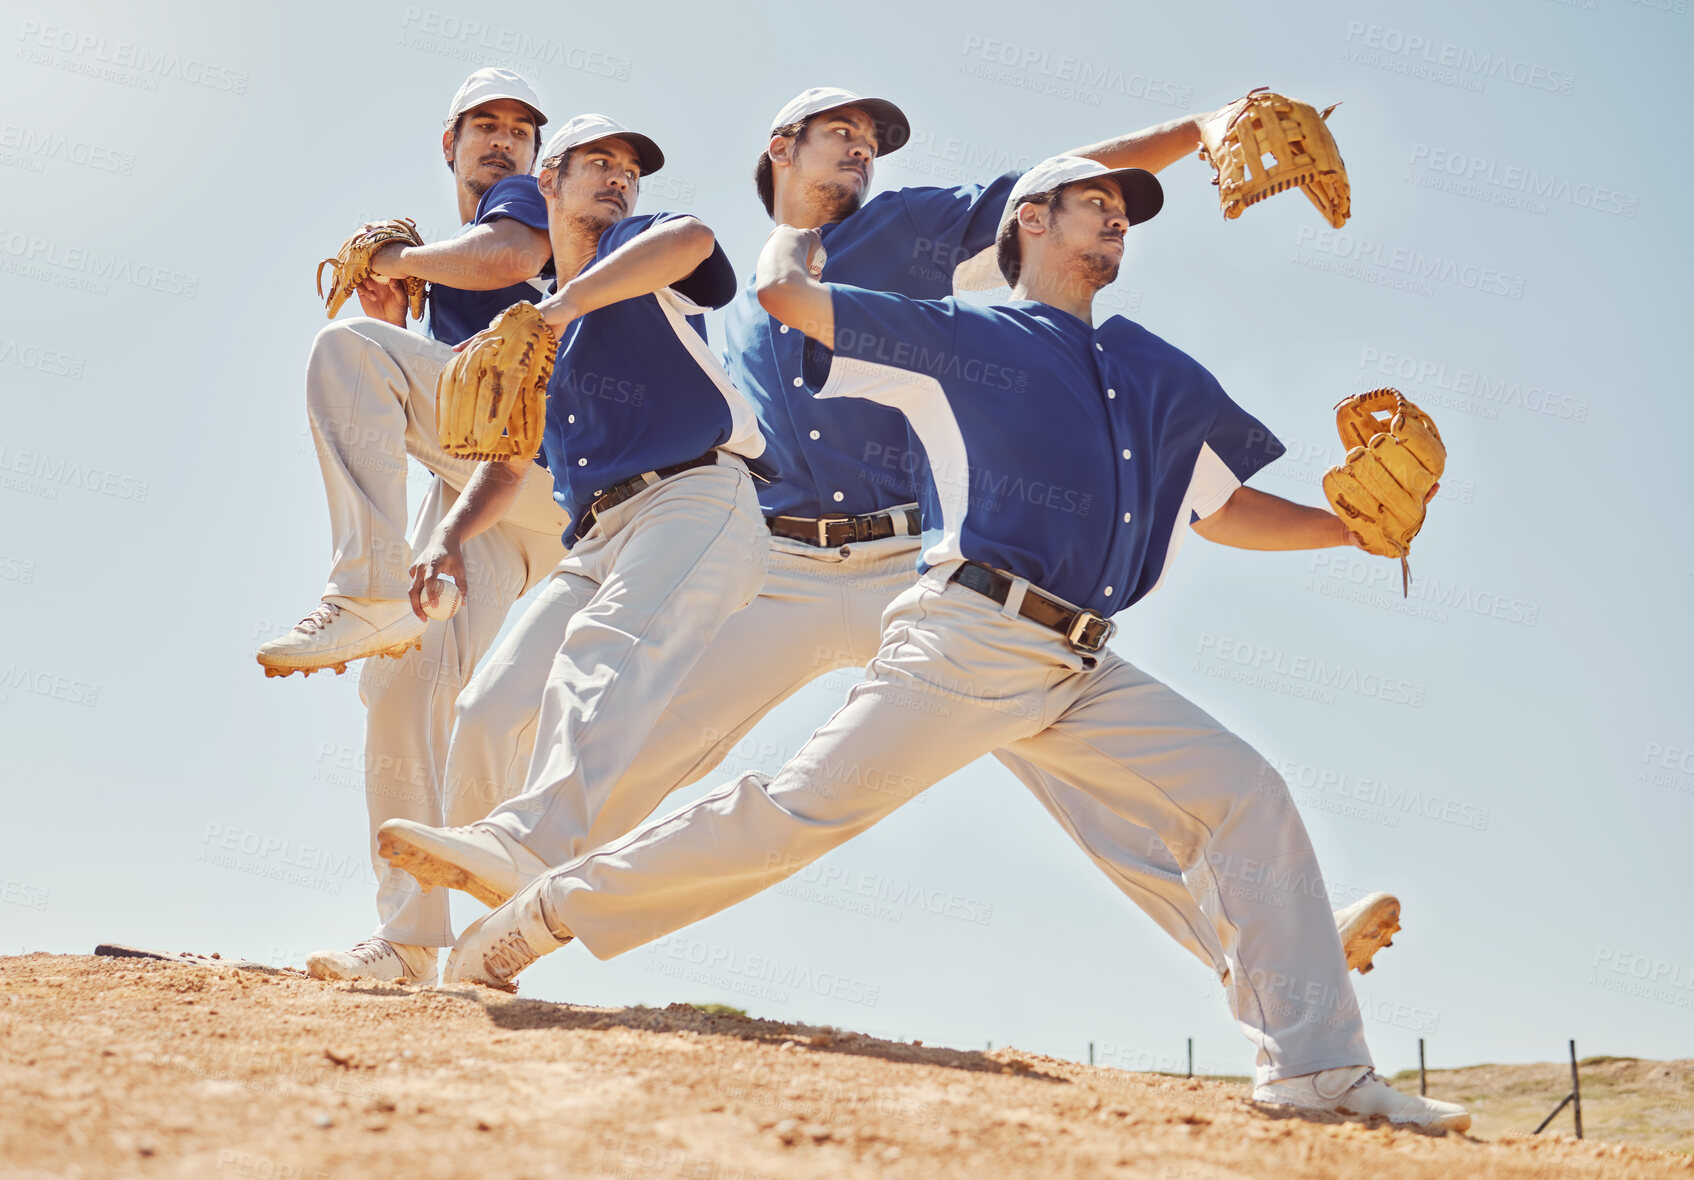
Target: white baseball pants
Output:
[(958, 676), (370, 399), (633, 606), (820, 610)]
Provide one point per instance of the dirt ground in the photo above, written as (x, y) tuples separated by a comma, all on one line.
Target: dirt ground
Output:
[(137, 1067)]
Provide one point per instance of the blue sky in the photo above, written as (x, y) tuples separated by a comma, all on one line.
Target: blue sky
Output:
[(1511, 750)]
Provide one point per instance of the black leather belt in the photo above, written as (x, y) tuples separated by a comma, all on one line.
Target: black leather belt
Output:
[(629, 488), (1084, 630), (830, 532)]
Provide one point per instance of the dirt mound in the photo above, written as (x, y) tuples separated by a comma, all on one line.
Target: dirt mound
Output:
[(146, 1068)]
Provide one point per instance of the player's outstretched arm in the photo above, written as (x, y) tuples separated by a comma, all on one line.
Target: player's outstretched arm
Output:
[(485, 258), (651, 261), (1251, 519), (1152, 148), (491, 490), (788, 286)]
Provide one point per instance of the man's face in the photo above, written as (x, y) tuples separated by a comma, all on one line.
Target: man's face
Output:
[(833, 159), (595, 187), (494, 141), (1086, 224)]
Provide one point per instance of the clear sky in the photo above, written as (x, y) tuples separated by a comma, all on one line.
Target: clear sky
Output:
[(1511, 750)]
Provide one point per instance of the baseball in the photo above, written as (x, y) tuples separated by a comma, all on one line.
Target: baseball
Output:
[(447, 603)]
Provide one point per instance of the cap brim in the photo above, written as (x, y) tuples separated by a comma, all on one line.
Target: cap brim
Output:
[(540, 118), (652, 159), (1143, 195), (892, 128)]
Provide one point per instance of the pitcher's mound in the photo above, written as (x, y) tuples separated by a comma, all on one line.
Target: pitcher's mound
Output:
[(141, 1066)]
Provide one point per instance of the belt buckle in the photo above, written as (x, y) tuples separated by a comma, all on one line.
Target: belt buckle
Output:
[(1089, 632), (823, 533)]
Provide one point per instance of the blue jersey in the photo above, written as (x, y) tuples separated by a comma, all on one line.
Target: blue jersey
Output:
[(854, 456), (635, 386), (1070, 455), (456, 315)]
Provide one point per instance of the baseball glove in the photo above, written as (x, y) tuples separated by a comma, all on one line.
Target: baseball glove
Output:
[(352, 264), (491, 402), (1392, 467), (1294, 135)]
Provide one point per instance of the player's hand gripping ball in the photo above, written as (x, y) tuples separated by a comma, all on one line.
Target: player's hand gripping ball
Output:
[(447, 594), (1295, 135)]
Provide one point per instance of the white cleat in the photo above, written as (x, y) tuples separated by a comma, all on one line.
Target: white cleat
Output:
[(1356, 1091), (1367, 926), (341, 630), (501, 943), (376, 959), (481, 860)]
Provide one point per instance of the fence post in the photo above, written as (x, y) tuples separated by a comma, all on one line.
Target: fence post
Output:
[(1575, 1090), (1575, 1096), (1090, 1052), (1423, 1078), (1190, 1056)]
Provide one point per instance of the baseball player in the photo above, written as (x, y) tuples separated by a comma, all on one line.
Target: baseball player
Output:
[(1002, 641), (647, 440), (844, 538), (370, 395)]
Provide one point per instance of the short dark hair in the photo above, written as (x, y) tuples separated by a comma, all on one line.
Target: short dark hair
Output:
[(459, 125), (764, 178), (1008, 248)]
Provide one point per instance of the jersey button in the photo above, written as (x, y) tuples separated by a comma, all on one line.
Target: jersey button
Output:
[(784, 329), (1126, 452), (1108, 591), (840, 496), (582, 462), (798, 382), (570, 418), (1111, 393), (1126, 518), (815, 434), (1098, 347)]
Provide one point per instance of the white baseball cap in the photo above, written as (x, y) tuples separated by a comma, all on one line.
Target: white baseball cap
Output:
[(490, 84), (588, 128), (1143, 197), (892, 128)]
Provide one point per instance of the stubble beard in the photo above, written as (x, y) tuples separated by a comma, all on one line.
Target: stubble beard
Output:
[(834, 199), (1092, 269)]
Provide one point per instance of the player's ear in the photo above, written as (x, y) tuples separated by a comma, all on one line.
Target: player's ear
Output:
[(447, 145), (1033, 217), (781, 149)]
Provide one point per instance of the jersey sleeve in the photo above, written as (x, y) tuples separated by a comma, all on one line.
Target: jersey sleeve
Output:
[(884, 330), (517, 197), (1236, 446), (711, 284), (954, 224)]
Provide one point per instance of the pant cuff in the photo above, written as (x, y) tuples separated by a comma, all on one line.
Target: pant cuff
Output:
[(1299, 1069)]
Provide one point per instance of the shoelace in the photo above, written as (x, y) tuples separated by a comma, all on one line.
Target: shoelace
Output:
[(318, 619), (507, 957), (371, 950)]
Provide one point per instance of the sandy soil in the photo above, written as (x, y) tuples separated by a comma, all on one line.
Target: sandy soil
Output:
[(134, 1067)]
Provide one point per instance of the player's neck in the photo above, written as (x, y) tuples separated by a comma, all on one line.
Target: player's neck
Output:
[(1059, 291), (574, 248), (796, 210), (468, 201)]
